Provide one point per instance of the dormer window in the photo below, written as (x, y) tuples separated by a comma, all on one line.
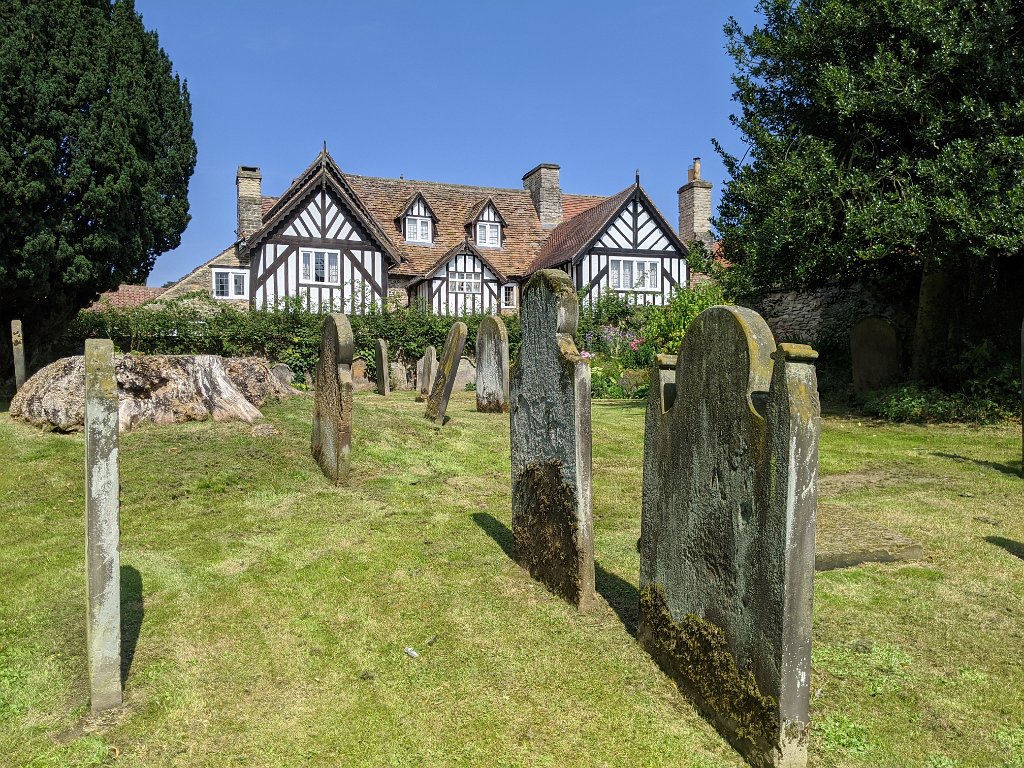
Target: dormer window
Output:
[(488, 234), (418, 221), (487, 223), (417, 229)]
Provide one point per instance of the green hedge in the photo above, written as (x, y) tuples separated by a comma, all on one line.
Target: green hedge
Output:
[(196, 324)]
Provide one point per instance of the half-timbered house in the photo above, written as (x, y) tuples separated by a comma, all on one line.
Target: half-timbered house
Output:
[(341, 241)]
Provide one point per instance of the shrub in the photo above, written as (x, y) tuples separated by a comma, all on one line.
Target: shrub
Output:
[(665, 326), (916, 404)]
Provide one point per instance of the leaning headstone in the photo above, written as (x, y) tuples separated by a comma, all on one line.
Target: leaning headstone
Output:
[(727, 531), (383, 368), (426, 370), (492, 366), (102, 526), (18, 344), (332, 400), (444, 379), (552, 524), (875, 354)]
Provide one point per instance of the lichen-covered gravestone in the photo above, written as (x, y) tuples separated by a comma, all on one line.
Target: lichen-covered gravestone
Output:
[(426, 370), (102, 526), (727, 530), (552, 525), (332, 400), (383, 368), (447, 368), (492, 366), (875, 354), (18, 345)]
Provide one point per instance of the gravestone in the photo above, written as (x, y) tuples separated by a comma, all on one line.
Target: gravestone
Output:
[(426, 370), (727, 530), (492, 366), (18, 345), (332, 400), (383, 368), (102, 526), (552, 524), (447, 368), (875, 353)]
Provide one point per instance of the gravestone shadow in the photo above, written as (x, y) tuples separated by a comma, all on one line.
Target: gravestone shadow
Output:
[(1015, 548), (1006, 469), (132, 613), (621, 595)]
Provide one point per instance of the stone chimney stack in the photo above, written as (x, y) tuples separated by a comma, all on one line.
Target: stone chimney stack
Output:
[(545, 189), (695, 207), (250, 200)]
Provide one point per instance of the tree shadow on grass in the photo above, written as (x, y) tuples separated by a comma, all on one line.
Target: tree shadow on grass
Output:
[(621, 595), (1015, 548), (1006, 469), (132, 612)]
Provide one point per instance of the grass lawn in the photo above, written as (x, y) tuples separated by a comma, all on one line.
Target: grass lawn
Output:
[(266, 613)]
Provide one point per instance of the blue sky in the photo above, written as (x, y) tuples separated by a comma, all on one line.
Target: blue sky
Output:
[(463, 92)]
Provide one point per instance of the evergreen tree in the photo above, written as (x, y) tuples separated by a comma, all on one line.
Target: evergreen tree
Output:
[(96, 153), (885, 142)]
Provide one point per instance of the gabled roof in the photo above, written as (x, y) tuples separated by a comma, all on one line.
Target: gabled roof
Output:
[(322, 173), (412, 201), (126, 296), (572, 238), (466, 246), (479, 208)]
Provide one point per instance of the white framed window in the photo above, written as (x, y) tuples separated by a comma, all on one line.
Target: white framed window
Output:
[(321, 267), (465, 282), (634, 274), (508, 295), (488, 234), (230, 283), (417, 229)]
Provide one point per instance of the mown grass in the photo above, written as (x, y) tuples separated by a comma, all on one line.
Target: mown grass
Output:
[(266, 613)]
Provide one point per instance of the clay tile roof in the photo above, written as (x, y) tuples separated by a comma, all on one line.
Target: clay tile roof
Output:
[(452, 204), (574, 205), (571, 236), (266, 203), (126, 296)]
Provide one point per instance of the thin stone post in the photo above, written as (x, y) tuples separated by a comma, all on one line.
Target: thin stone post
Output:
[(102, 526), (492, 366), (383, 368), (426, 370), (18, 345), (727, 530), (332, 400), (447, 368), (552, 523)]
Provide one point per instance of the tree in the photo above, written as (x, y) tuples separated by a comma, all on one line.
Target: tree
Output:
[(96, 153), (885, 142)]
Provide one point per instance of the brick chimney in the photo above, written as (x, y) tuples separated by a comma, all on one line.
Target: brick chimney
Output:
[(695, 207), (250, 200), (543, 185)]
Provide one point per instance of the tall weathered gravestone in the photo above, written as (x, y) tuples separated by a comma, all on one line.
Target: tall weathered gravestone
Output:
[(102, 526), (332, 400), (875, 354), (426, 370), (447, 368), (727, 530), (383, 368), (552, 525), (18, 345), (492, 366)]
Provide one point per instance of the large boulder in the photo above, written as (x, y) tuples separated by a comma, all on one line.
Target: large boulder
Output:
[(162, 389)]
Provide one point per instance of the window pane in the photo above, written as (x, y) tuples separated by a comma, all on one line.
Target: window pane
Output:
[(627, 275), (305, 265), (652, 275), (481, 234), (220, 283), (425, 230), (332, 267), (239, 285), (493, 235), (615, 273), (318, 275)]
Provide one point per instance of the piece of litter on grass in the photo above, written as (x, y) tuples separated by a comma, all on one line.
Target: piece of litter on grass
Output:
[(411, 653), (432, 640)]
